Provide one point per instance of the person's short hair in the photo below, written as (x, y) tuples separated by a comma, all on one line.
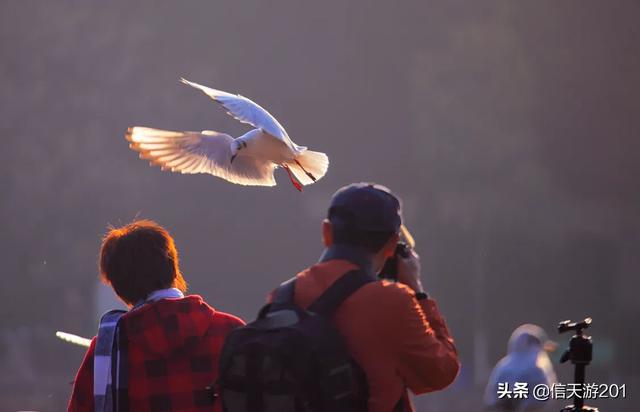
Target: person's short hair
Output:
[(139, 258)]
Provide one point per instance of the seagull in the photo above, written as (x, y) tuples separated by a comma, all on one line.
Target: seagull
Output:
[(527, 363), (249, 159)]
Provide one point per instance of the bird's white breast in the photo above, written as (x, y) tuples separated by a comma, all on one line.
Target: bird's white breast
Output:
[(265, 146)]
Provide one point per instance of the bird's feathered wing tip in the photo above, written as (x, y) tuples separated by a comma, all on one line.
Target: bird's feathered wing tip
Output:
[(199, 152), (75, 339), (310, 164), (213, 93)]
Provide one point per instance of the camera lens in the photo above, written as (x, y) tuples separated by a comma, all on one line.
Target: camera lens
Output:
[(403, 250)]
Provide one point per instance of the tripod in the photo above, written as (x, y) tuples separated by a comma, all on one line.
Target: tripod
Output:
[(580, 354)]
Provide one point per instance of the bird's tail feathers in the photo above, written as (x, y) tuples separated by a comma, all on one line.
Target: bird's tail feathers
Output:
[(309, 166)]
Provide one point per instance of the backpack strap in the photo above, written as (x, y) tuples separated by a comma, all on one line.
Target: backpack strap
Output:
[(106, 362), (282, 296), (341, 289), (284, 293)]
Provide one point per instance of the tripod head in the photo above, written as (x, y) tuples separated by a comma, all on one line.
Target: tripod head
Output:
[(567, 325), (580, 354), (580, 346)]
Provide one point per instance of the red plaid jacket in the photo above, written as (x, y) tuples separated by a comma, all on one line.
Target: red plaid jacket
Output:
[(173, 347)]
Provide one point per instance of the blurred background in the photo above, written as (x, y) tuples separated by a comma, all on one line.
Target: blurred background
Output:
[(510, 130)]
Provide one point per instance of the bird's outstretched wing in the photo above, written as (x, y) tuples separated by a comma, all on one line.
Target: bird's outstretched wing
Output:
[(199, 152), (75, 339), (248, 111)]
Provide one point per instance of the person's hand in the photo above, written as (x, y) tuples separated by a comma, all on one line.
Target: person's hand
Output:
[(409, 271)]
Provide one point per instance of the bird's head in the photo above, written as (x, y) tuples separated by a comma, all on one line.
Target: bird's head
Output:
[(236, 147), (529, 337)]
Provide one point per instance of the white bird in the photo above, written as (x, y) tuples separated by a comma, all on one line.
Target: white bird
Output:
[(527, 363), (246, 160)]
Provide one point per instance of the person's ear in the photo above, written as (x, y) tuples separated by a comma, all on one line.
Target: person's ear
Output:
[(389, 248), (327, 233)]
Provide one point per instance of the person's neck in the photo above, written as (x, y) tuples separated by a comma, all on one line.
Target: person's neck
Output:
[(354, 254)]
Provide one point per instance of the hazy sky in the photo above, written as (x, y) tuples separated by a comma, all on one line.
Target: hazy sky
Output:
[(510, 129)]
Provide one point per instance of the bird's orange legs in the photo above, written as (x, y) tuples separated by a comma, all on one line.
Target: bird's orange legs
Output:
[(294, 181)]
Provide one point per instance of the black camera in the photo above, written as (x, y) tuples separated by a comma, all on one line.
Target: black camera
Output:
[(390, 269)]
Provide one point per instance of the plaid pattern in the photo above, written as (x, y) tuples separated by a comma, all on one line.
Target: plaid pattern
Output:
[(102, 384), (172, 348)]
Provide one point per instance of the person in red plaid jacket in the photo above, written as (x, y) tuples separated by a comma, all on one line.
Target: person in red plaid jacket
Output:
[(168, 344)]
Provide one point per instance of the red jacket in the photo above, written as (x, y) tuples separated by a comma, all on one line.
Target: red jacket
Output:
[(173, 348), (399, 342)]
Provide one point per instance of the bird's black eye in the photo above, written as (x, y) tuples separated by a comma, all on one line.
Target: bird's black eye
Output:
[(244, 144)]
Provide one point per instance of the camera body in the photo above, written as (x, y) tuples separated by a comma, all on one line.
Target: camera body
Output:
[(390, 269)]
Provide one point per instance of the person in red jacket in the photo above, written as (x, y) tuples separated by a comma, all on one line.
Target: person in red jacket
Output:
[(393, 330), (162, 354)]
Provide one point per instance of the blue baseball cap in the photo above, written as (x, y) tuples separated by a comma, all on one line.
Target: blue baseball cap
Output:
[(366, 207)]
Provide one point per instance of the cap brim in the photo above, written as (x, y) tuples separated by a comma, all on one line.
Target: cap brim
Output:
[(407, 236)]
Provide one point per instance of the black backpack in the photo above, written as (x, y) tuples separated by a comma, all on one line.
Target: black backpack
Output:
[(293, 360)]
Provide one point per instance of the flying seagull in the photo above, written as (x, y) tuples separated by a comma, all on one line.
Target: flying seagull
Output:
[(246, 160)]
